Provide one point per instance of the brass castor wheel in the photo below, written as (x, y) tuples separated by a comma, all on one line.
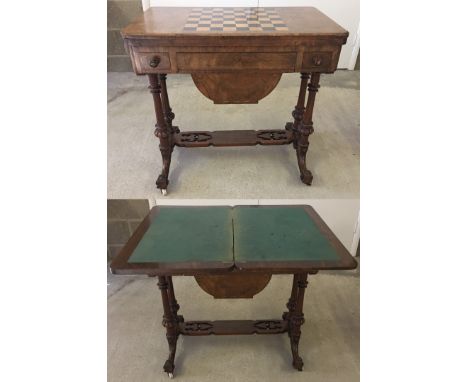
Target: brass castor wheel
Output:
[(162, 182), (169, 368)]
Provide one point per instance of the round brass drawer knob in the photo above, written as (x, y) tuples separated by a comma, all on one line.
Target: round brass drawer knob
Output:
[(155, 62)]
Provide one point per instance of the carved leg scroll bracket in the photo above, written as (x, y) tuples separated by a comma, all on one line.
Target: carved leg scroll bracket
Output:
[(302, 145)]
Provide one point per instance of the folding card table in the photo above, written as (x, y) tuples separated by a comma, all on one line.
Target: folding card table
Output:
[(233, 253), (235, 56)]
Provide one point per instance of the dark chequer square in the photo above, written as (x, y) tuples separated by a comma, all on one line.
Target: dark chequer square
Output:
[(234, 19)]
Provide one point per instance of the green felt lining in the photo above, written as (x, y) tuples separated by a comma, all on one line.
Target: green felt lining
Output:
[(278, 234), (178, 234), (220, 234)]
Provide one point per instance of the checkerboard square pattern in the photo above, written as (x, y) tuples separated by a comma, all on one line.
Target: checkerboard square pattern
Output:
[(234, 20)]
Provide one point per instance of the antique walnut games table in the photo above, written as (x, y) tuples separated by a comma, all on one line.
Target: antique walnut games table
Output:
[(235, 56), (233, 253)]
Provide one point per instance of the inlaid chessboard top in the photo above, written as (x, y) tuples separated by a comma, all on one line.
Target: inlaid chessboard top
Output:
[(233, 21)]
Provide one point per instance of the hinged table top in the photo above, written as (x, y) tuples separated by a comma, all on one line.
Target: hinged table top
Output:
[(235, 21), (197, 240)]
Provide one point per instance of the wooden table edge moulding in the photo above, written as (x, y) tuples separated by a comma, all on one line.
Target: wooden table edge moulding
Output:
[(226, 277), (235, 56)]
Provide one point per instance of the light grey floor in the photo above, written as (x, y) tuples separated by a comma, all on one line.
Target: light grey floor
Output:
[(329, 346), (242, 172)]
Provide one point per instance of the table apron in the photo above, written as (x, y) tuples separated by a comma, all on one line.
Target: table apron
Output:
[(148, 59)]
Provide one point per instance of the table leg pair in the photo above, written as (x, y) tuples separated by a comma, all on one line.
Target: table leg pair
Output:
[(170, 320), (164, 129), (291, 321), (302, 126), (296, 132)]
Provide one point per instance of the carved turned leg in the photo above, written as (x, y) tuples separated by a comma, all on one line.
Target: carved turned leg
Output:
[(296, 319), (163, 131), (170, 323), (291, 305), (174, 306), (299, 109), (305, 128), (167, 111)]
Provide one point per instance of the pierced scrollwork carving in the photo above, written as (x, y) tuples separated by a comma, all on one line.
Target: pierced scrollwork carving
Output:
[(268, 325), (198, 326), (273, 135), (195, 137)]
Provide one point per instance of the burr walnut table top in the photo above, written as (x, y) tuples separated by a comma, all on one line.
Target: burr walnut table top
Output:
[(209, 240), (217, 40)]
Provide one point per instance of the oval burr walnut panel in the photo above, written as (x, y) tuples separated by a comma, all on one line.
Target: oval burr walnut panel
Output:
[(233, 285), (236, 88)]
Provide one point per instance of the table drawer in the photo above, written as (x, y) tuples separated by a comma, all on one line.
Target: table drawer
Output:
[(316, 61), (190, 61), (153, 62)]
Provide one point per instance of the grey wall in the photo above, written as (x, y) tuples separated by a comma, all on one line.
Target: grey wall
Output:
[(119, 14), (123, 217), (358, 61)]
